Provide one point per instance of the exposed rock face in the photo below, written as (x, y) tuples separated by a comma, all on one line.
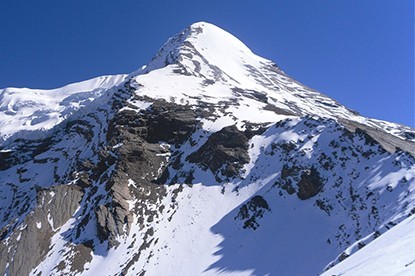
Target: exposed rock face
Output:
[(7, 158), (140, 160), (23, 151), (113, 213), (170, 123), (27, 246), (225, 151), (164, 121), (310, 184), (307, 182), (389, 142), (252, 211)]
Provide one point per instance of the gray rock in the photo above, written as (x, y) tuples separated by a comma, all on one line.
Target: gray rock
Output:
[(28, 245), (310, 184), (225, 151), (252, 211)]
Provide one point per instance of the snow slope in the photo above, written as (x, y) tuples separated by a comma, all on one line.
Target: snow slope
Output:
[(393, 253), (23, 109)]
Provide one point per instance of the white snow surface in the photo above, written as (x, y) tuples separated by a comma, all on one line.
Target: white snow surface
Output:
[(24, 110), (393, 253)]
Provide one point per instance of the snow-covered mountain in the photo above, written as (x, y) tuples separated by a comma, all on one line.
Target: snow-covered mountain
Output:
[(208, 160)]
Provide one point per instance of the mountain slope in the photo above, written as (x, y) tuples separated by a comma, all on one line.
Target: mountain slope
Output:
[(207, 160), (391, 254), (24, 111)]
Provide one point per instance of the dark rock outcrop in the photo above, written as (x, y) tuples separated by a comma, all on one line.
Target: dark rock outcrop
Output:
[(139, 158), (251, 211), (163, 121), (310, 184), (225, 151)]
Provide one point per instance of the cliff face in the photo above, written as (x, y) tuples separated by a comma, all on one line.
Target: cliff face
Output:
[(208, 160)]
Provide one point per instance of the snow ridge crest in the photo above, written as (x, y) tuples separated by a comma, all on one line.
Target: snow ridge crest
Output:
[(208, 43)]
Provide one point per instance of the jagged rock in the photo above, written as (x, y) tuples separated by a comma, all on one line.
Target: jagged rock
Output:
[(106, 224), (310, 184), (374, 135), (251, 211), (170, 123), (139, 135), (114, 218), (165, 121), (7, 159), (29, 245), (23, 151), (225, 150), (287, 177)]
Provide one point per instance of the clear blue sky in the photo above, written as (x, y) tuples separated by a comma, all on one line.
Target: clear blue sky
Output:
[(359, 52)]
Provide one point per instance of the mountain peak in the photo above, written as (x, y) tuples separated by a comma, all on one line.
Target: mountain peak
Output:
[(203, 43), (213, 151), (199, 26), (206, 64), (205, 34)]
